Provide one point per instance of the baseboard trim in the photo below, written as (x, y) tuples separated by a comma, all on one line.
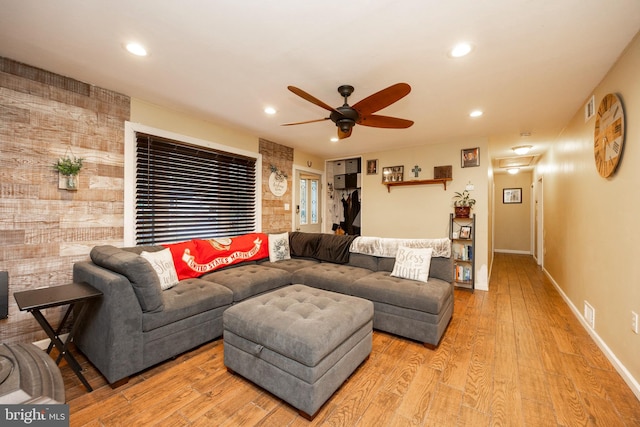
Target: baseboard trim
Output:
[(511, 251), (619, 367)]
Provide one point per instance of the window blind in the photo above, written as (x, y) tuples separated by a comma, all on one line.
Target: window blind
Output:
[(184, 192)]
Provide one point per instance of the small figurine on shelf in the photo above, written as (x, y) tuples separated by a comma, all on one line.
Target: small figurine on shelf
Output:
[(69, 166)]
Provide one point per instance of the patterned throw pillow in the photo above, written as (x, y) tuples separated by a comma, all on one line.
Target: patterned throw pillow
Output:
[(412, 263), (162, 263), (279, 247)]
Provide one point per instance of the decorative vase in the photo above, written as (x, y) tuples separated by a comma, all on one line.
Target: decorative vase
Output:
[(72, 182), (462, 211)]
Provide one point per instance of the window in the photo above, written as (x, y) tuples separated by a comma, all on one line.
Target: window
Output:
[(303, 202), (183, 191), (314, 201)]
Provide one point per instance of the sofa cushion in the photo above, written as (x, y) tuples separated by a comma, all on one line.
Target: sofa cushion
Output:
[(291, 264), (441, 268), (189, 298), (369, 262), (138, 270), (279, 247), (330, 276), (334, 248), (322, 246), (162, 263), (412, 263), (303, 244), (200, 256), (429, 297), (248, 280)]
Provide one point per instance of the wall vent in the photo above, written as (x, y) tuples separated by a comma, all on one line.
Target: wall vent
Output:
[(589, 315)]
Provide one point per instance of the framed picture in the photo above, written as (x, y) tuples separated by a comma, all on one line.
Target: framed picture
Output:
[(440, 172), (512, 195), (465, 232), (393, 174), (372, 167), (470, 157)]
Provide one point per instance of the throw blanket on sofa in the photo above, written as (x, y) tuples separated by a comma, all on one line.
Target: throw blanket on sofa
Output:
[(197, 257), (388, 247)]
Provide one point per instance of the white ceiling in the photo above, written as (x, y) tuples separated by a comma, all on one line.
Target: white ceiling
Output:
[(534, 65)]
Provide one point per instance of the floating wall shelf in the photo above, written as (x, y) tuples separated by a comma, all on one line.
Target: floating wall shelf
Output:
[(442, 181)]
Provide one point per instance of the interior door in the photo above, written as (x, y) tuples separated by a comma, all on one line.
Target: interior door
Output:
[(308, 202)]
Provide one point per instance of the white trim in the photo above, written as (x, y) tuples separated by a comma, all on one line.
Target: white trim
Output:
[(620, 368), (512, 251), (130, 130), (323, 194)]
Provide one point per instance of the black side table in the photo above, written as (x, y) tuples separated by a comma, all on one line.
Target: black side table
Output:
[(72, 294)]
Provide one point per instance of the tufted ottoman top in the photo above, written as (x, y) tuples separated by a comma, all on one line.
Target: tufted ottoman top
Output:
[(302, 323)]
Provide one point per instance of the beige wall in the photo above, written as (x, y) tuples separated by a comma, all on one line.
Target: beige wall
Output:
[(175, 121), (512, 222), (590, 223), (422, 211)]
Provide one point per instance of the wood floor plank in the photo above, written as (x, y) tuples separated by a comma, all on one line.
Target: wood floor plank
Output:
[(566, 401), (381, 410), (416, 402), (515, 355)]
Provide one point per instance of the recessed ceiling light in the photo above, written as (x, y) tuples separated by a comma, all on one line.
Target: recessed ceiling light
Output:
[(335, 139), (475, 113), (513, 171), (460, 50), (136, 49), (270, 110)]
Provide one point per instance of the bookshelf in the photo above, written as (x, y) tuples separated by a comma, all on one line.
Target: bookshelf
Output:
[(462, 232)]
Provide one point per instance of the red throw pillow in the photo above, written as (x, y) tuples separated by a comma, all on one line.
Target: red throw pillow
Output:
[(199, 256)]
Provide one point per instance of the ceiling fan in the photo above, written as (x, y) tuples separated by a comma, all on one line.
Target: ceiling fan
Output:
[(346, 117)]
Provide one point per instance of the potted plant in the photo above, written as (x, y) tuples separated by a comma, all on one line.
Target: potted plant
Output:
[(463, 203), (69, 167)]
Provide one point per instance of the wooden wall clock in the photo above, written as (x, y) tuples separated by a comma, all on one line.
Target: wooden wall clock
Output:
[(608, 136)]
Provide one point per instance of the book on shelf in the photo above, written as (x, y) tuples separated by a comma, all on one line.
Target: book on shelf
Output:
[(463, 252), (463, 273)]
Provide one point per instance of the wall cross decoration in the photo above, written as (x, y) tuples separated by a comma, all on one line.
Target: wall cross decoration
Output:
[(416, 170)]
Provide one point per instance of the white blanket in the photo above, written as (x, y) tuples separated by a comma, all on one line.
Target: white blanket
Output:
[(388, 247)]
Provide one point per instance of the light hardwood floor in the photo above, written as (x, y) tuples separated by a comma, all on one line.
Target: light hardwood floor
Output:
[(515, 355)]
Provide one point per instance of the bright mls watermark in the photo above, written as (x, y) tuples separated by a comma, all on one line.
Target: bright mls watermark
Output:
[(34, 415)]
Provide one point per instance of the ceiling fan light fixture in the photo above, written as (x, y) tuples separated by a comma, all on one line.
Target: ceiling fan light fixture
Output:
[(270, 111), (345, 125), (521, 150)]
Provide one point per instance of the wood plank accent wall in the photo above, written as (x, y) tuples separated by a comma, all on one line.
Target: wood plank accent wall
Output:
[(274, 218), (44, 230)]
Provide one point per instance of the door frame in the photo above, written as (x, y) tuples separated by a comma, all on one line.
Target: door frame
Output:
[(294, 193)]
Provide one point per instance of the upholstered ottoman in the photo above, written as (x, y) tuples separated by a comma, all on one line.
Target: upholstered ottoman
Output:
[(297, 342)]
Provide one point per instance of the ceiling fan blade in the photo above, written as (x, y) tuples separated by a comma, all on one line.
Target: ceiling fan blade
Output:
[(302, 123), (343, 135), (304, 95), (384, 122), (382, 99)]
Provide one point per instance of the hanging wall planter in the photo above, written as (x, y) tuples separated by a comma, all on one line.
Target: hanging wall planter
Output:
[(68, 167)]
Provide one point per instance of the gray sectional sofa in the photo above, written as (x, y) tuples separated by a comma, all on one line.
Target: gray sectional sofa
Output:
[(136, 324)]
